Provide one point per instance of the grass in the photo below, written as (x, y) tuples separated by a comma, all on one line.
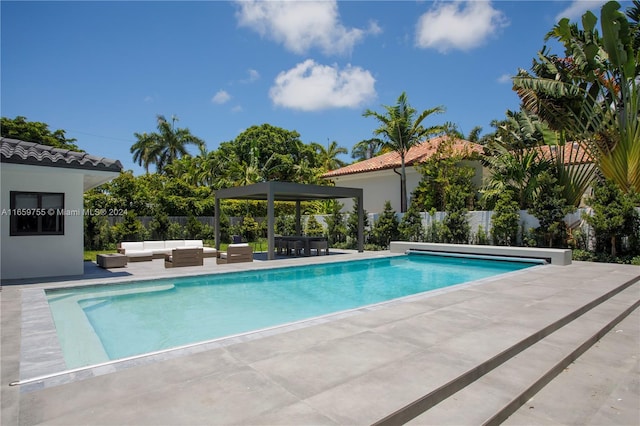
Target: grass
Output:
[(90, 255)]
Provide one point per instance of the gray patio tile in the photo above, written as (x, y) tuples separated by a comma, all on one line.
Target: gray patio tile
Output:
[(305, 373), (433, 327), (487, 342), (126, 384), (207, 400), (295, 414), (370, 397), (300, 339)]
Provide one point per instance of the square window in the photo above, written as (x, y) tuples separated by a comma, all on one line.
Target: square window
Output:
[(37, 213)]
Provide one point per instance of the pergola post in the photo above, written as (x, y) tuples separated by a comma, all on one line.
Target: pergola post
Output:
[(216, 213), (271, 224), (298, 226), (360, 224)]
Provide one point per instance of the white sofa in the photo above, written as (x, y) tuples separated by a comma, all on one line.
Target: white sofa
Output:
[(147, 250)]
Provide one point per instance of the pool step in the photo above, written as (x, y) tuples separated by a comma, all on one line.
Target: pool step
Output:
[(493, 390)]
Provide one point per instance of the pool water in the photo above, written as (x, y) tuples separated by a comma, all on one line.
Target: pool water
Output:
[(101, 323)]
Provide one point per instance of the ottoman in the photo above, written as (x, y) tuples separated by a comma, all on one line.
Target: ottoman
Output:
[(111, 260)]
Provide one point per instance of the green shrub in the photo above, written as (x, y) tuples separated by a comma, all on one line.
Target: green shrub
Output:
[(250, 229), (505, 220), (352, 225), (130, 229), (336, 227), (313, 228), (456, 227), (175, 231), (410, 226), (386, 227), (481, 236), (583, 255)]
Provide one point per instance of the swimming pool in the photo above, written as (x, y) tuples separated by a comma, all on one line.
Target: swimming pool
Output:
[(108, 322)]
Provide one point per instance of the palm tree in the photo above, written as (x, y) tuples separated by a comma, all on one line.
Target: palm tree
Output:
[(401, 129), (328, 157), (145, 151), (172, 142), (366, 149)]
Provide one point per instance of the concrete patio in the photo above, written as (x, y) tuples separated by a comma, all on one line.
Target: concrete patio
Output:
[(547, 345)]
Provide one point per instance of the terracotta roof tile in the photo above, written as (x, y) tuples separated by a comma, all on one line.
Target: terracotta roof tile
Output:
[(391, 160), (573, 153)]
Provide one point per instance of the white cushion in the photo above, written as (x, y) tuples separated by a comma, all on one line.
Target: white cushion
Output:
[(209, 250), (154, 245), (173, 243), (138, 253), (239, 245), (193, 243), (132, 245)]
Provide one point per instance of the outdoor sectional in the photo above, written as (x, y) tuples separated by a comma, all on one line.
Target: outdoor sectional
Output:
[(147, 250)]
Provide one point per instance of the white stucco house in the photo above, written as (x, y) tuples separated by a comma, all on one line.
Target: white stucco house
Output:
[(41, 207), (379, 177)]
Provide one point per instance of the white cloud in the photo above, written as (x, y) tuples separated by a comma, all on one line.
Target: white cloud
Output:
[(458, 25), (221, 97), (301, 25), (253, 75), (236, 109), (578, 7), (310, 86), (504, 78)]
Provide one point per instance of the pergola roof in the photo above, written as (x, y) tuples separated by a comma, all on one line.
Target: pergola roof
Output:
[(287, 191)]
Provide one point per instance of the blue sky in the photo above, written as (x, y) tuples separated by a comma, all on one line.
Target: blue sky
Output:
[(104, 70)]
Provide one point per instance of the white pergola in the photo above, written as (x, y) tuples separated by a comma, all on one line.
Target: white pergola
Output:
[(287, 191)]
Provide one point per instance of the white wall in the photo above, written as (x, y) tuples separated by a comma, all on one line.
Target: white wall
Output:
[(35, 256), (378, 187)]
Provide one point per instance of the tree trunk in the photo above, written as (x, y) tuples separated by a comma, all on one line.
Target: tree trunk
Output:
[(403, 186), (613, 246)]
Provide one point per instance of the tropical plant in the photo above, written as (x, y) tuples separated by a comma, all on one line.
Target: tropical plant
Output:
[(513, 171), (591, 94), (401, 129), (442, 173)]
